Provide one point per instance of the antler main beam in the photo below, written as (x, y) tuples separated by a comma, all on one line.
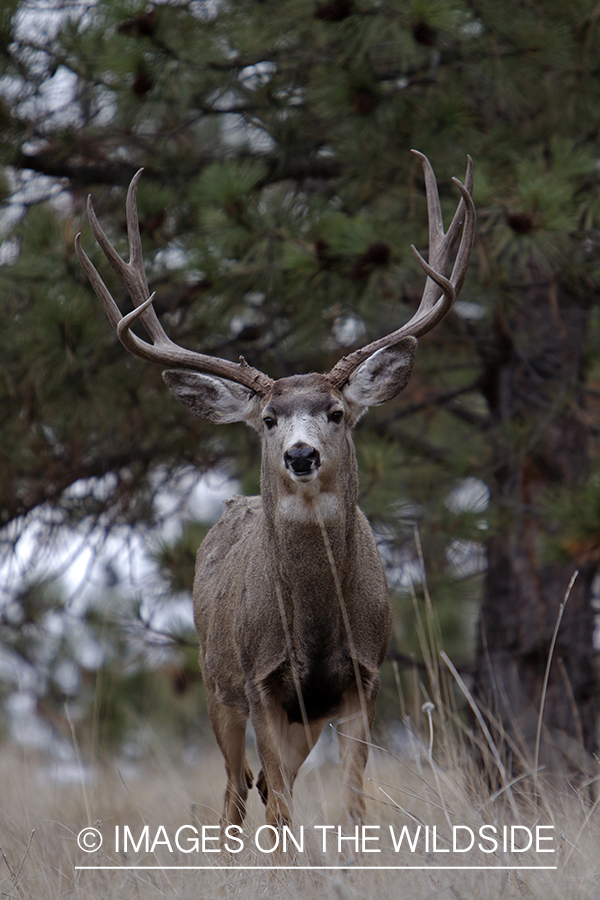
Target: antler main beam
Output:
[(440, 292), (162, 350)]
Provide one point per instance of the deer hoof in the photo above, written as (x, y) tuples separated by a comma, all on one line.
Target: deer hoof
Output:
[(261, 787)]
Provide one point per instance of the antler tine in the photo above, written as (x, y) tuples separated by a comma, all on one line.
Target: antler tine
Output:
[(129, 340), (433, 308), (459, 215), (434, 210), (136, 261), (461, 264), (440, 292), (440, 244), (162, 351), (110, 307), (132, 273)]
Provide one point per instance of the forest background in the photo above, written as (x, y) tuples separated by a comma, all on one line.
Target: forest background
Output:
[(278, 203)]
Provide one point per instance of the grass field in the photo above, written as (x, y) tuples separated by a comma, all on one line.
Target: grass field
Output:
[(433, 828), (40, 818)]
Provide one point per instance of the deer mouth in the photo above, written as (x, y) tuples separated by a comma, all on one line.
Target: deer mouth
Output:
[(303, 461)]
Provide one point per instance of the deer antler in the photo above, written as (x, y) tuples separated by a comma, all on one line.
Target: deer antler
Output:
[(162, 350), (437, 300), (440, 292)]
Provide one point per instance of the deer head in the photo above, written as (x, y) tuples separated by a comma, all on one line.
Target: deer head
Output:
[(223, 391)]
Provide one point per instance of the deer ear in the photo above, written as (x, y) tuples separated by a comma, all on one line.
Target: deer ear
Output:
[(380, 377), (212, 398)]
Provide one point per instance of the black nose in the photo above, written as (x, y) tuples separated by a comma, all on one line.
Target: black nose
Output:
[(302, 459)]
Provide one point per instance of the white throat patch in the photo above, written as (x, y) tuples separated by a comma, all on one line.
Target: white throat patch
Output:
[(300, 506)]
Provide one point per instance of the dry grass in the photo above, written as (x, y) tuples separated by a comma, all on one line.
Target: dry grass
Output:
[(432, 783), (403, 790)]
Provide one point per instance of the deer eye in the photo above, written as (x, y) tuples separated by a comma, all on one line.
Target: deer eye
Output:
[(336, 416), (270, 422)]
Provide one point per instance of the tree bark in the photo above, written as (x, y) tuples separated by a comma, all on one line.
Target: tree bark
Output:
[(533, 386)]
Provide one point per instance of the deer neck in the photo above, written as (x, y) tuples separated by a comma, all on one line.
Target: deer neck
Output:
[(308, 524)]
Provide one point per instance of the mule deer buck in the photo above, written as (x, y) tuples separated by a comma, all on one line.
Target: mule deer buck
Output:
[(290, 596)]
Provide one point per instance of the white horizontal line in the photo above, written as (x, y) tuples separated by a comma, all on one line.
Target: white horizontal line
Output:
[(317, 868)]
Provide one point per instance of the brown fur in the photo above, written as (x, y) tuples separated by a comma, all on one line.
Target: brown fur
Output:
[(259, 572)]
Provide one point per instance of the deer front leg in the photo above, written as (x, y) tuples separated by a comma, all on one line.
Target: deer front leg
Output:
[(282, 748), (229, 726), (357, 712)]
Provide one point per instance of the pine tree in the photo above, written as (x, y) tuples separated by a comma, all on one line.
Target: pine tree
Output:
[(277, 206)]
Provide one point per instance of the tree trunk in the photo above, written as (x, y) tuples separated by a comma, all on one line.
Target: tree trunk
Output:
[(533, 387)]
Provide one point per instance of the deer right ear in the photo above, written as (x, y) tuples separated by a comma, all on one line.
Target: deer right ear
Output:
[(216, 399)]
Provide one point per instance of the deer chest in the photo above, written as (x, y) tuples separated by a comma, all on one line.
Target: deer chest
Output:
[(322, 681)]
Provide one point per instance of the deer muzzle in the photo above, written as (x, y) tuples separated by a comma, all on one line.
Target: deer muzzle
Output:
[(302, 459)]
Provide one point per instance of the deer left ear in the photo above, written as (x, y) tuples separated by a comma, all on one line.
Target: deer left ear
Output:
[(380, 377)]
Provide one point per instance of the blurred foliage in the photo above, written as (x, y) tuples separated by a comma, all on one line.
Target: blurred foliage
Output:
[(277, 207)]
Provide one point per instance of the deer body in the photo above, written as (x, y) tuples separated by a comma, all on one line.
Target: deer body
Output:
[(244, 652), (290, 597), (276, 643)]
